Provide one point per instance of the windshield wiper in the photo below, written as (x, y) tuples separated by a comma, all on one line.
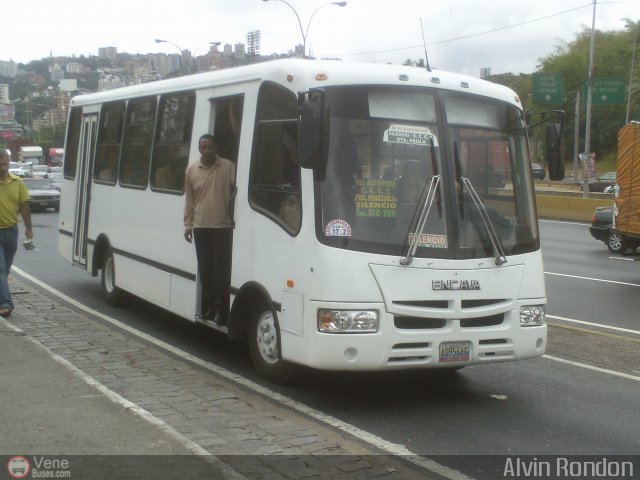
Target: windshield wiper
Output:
[(422, 219), (477, 201), (458, 167), (426, 207), (436, 171), (501, 258)]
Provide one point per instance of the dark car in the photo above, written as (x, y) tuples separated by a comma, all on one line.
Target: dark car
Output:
[(538, 171), (601, 224), (602, 182), (42, 194)]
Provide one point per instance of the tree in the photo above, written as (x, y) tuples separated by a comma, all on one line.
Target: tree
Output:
[(612, 58), (51, 137), (521, 84)]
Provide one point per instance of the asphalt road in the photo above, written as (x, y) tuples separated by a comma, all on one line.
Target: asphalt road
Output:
[(542, 406), (587, 282)]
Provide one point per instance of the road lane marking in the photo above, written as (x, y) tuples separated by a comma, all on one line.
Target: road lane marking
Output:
[(374, 440), (591, 367), (598, 325), (564, 222), (593, 279)]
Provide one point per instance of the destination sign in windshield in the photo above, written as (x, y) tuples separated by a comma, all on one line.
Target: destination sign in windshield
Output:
[(410, 135)]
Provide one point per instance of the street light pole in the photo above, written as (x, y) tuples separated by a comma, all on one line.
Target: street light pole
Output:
[(306, 33), (195, 63), (303, 32), (185, 67), (304, 41), (159, 40)]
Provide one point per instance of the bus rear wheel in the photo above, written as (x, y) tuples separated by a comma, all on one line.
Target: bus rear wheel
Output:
[(112, 294), (264, 346)]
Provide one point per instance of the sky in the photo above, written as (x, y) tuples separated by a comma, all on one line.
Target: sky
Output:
[(460, 35)]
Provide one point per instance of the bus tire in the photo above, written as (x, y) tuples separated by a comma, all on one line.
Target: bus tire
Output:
[(112, 294), (264, 346)]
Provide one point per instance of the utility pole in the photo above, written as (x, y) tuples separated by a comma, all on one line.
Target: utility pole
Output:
[(587, 133), (576, 136), (633, 58)]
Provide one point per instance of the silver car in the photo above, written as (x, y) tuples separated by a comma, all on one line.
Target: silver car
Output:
[(42, 194)]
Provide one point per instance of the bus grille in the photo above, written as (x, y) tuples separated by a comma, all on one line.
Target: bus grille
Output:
[(403, 322)]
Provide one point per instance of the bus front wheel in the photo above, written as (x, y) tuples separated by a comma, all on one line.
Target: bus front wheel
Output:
[(112, 294), (264, 345)]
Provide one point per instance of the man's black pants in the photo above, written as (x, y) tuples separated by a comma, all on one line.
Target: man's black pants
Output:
[(213, 249)]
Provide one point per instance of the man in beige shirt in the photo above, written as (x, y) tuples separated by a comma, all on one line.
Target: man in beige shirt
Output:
[(209, 184)]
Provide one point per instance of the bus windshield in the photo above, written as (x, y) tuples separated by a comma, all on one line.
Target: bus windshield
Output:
[(446, 172)]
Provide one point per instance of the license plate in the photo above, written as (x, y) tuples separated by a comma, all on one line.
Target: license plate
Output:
[(455, 352)]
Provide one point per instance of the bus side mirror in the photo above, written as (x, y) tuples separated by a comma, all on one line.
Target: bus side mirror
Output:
[(313, 138), (552, 151)]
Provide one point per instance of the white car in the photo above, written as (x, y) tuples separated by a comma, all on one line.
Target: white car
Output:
[(56, 180), (40, 171), (18, 169)]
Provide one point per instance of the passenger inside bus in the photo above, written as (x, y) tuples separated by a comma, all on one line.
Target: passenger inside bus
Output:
[(289, 158), (290, 210), (108, 172), (227, 127), (165, 178), (169, 168), (411, 183)]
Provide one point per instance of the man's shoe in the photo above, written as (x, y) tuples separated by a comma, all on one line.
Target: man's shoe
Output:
[(219, 320), (206, 316)]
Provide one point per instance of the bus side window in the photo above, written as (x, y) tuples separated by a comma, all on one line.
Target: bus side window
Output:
[(227, 126), (136, 148), (171, 147), (275, 169), (109, 140), (73, 143)]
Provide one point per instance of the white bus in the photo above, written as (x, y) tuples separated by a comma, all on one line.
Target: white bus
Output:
[(384, 216)]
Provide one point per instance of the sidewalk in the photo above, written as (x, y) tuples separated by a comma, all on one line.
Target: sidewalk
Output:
[(74, 386)]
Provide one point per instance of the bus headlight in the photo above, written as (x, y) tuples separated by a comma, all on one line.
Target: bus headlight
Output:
[(347, 321), (532, 315)]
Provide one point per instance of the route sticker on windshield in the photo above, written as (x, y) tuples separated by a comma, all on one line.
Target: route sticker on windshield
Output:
[(337, 228), (430, 240)]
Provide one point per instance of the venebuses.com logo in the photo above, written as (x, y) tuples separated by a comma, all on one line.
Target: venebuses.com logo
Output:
[(18, 467)]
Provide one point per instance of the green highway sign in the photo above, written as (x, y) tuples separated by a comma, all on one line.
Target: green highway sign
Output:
[(547, 88), (605, 91)]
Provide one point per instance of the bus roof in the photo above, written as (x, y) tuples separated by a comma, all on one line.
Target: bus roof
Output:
[(304, 74)]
